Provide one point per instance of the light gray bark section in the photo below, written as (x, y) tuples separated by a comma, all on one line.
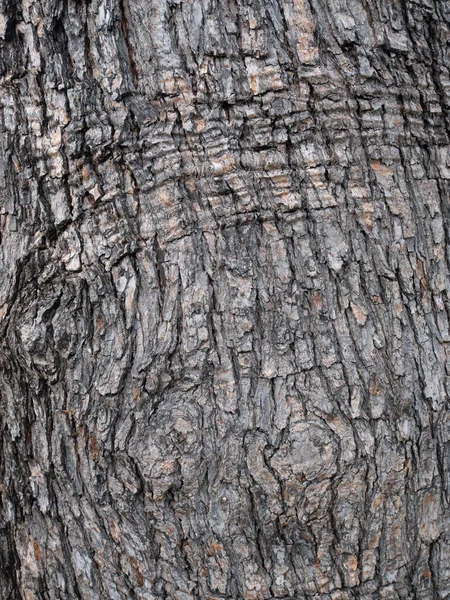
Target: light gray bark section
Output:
[(224, 299)]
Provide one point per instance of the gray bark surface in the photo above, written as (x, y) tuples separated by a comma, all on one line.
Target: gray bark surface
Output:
[(224, 299)]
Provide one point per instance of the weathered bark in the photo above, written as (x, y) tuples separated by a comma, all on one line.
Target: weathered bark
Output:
[(224, 299)]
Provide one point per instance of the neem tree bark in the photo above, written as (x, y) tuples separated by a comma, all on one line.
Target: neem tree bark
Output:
[(224, 299)]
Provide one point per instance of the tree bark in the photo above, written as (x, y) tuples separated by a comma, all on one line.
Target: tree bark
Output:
[(224, 299)]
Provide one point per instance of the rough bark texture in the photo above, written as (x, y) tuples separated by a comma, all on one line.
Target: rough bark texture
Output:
[(224, 299)]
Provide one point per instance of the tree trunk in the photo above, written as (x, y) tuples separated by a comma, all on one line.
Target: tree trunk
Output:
[(224, 299)]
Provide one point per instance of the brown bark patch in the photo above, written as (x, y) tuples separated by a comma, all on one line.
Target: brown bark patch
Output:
[(137, 573), (93, 447), (37, 551)]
